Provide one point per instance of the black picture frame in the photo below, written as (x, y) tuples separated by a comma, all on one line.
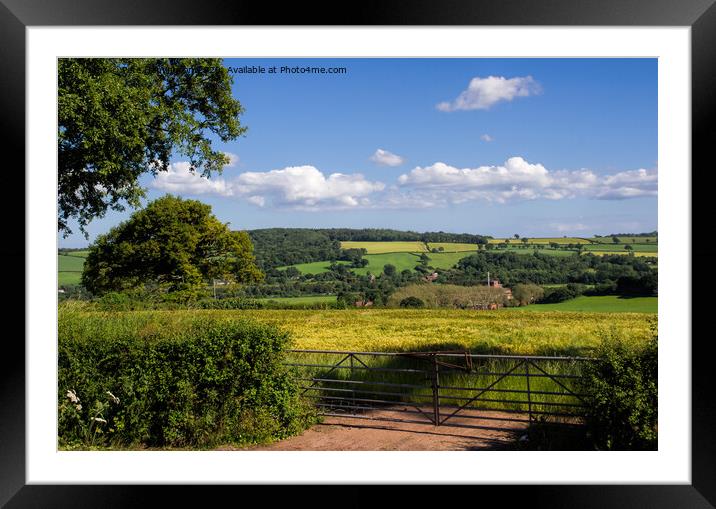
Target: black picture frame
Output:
[(700, 15)]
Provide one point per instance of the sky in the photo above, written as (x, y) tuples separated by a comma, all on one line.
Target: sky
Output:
[(535, 147)]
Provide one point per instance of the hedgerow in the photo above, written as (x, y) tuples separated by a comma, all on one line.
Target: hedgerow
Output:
[(622, 395), (129, 380)]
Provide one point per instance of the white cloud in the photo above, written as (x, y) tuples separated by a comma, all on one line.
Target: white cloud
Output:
[(487, 138), (440, 184), (385, 158), (306, 187), (569, 227), (482, 93), (518, 179), (233, 159), (629, 184), (180, 180)]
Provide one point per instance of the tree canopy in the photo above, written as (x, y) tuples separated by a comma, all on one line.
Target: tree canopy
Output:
[(173, 244), (120, 118)]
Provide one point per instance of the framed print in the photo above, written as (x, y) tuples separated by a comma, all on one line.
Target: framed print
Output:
[(626, 98)]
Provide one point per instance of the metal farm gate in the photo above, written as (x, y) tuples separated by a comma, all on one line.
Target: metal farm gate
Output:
[(436, 388)]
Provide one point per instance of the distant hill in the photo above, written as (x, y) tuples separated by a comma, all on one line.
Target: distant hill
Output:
[(277, 247), (647, 234)]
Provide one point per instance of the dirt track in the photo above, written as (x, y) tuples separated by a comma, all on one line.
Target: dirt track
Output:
[(356, 434)]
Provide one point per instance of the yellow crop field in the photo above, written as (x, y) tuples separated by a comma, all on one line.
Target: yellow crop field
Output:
[(503, 331), (386, 247)]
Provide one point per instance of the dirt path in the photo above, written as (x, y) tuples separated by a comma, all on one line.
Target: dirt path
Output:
[(357, 434)]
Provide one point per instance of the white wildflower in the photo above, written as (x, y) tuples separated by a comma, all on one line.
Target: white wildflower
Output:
[(73, 396), (78, 406), (114, 398), (99, 419)]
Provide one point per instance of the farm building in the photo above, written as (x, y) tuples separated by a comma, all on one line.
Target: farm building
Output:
[(431, 277)]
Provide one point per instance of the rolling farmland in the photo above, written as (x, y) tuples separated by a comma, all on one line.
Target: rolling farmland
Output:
[(544, 240), (404, 255), (376, 262), (627, 240), (637, 248), (69, 267), (452, 247), (386, 247)]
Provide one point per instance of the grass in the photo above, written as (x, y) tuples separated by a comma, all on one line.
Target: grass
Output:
[(306, 299), (69, 278), (529, 251), (636, 253), (544, 240), (446, 260), (386, 247), (453, 247), (600, 304), (81, 253), (69, 269), (627, 240), (647, 248), (377, 377), (70, 263), (376, 262), (312, 267)]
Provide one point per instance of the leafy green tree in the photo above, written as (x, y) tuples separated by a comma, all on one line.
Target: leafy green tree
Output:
[(412, 302), (389, 269), (615, 239), (172, 244), (120, 118), (526, 293)]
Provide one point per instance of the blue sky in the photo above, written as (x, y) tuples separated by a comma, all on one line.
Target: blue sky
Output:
[(538, 147)]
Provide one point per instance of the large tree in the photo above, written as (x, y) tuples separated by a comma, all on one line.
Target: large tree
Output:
[(172, 244), (119, 118)]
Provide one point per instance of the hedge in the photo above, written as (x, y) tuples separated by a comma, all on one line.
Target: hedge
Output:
[(128, 380)]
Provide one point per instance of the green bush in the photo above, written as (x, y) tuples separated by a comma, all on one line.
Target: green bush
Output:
[(412, 302), (128, 380), (621, 396)]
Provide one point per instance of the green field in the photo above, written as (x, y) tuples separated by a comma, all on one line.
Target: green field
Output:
[(376, 262), (636, 253), (452, 247), (627, 240), (446, 260), (637, 248), (69, 278), (386, 247), (306, 299), (312, 267), (544, 240), (529, 251), (69, 268), (600, 304), (82, 253), (70, 263)]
